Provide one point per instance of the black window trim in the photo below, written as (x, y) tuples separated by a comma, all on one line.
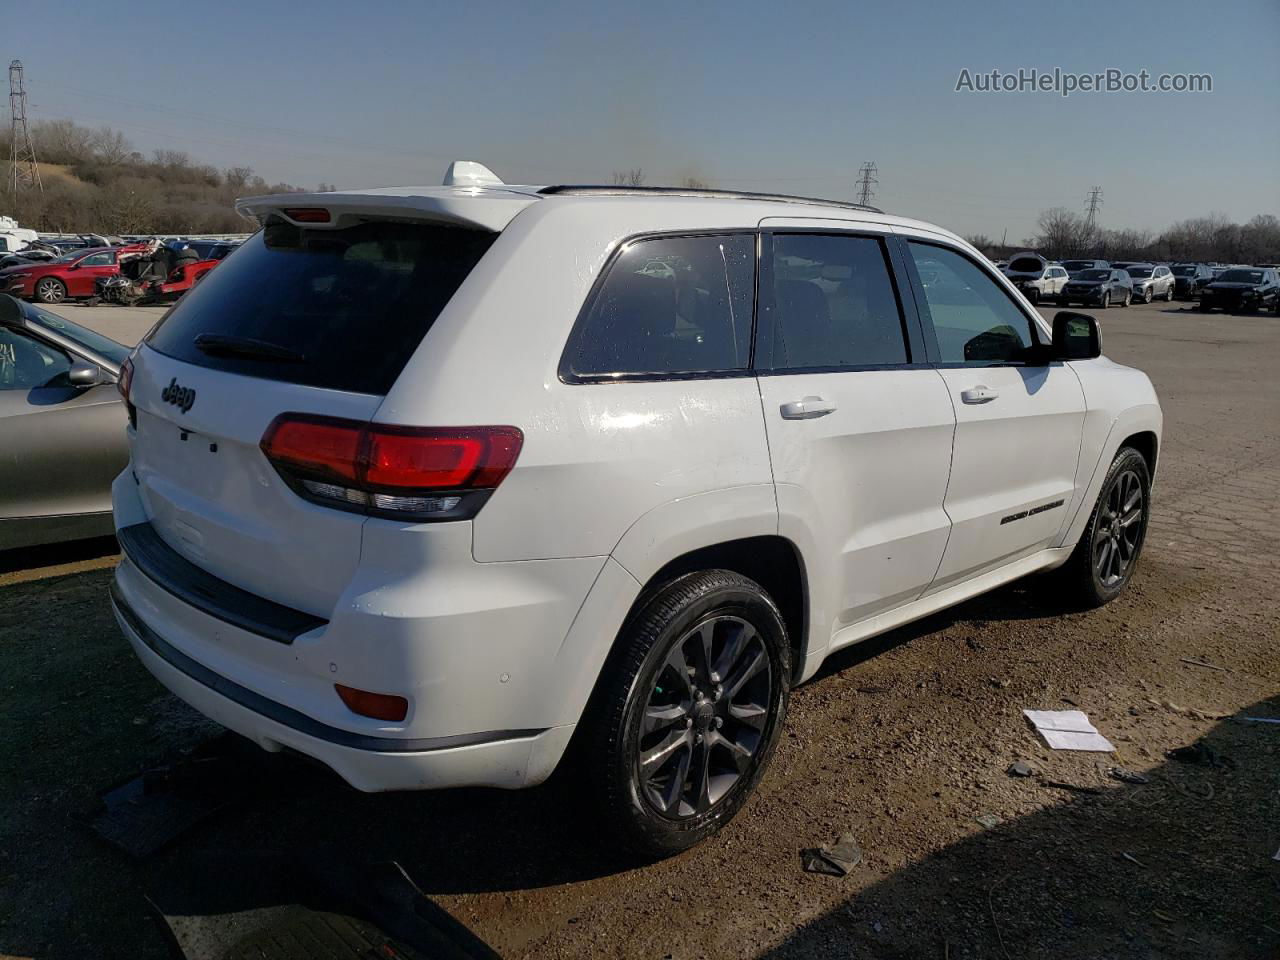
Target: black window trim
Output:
[(565, 369), (909, 319), (926, 319)]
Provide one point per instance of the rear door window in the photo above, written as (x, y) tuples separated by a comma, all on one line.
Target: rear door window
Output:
[(344, 308), (830, 304), (669, 306)]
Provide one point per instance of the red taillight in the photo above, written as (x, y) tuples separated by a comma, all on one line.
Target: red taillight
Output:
[(315, 446), (125, 381), (429, 473), (379, 706), (306, 214)]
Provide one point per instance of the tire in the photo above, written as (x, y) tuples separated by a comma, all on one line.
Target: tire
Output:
[(1104, 560), (1205, 308), (1128, 299), (1105, 302), (1168, 294), (50, 290), (651, 799), (1034, 296), (1147, 295)]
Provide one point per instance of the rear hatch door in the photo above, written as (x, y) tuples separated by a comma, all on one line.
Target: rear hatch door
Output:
[(300, 319)]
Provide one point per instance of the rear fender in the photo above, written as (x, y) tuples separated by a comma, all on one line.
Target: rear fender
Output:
[(658, 537)]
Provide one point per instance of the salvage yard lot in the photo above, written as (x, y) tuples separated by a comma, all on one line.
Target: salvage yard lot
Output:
[(903, 740)]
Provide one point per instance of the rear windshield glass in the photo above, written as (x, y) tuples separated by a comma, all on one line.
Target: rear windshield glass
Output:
[(1181, 271), (1242, 276), (342, 309), (1026, 265), (1078, 264), (1094, 275), (1139, 272)]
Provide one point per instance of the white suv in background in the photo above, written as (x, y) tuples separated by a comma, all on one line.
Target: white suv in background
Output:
[(427, 483), (1036, 277)]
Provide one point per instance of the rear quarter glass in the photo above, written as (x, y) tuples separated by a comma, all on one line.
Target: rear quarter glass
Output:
[(355, 303)]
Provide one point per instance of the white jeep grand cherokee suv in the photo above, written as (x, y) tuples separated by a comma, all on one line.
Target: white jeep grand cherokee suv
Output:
[(428, 482)]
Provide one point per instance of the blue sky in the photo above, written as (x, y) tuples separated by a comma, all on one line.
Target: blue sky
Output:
[(790, 97)]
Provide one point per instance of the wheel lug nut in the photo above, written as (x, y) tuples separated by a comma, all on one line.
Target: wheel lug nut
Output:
[(719, 722)]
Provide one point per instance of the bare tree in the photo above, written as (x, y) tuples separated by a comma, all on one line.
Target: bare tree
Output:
[(237, 178), (693, 183), (628, 178), (62, 141), (110, 146), (1064, 233)]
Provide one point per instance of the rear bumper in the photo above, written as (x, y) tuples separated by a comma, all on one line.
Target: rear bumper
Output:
[(370, 763), (472, 646)]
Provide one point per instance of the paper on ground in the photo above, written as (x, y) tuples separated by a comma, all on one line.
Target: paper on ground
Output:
[(1068, 730)]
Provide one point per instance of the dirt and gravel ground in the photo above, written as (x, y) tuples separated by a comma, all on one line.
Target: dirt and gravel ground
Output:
[(904, 740)]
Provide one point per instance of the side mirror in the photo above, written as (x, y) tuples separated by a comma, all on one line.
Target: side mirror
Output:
[(1076, 336), (84, 374)]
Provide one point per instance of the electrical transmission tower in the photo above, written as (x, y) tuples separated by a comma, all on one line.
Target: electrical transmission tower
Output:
[(1092, 204), (22, 152), (866, 180)]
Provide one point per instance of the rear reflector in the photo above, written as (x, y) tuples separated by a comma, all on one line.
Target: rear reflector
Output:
[(306, 214), (379, 706), (427, 473)]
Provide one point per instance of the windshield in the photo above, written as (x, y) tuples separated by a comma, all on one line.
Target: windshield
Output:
[(1184, 271), (1026, 265), (104, 347), (1074, 265), (1139, 273), (1242, 276), (353, 304), (1094, 275)]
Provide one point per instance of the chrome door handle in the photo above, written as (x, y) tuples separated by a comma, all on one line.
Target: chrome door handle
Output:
[(979, 394), (807, 409)]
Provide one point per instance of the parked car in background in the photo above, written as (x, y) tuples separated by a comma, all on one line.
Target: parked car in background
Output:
[(1099, 287), (1242, 290), (353, 527), (1150, 282), (1077, 266), (1189, 279), (207, 249), (1036, 277), (62, 423), (69, 277)]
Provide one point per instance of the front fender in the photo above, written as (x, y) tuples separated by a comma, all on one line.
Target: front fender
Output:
[(1121, 402)]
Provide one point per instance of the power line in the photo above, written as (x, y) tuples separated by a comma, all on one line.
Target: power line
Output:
[(1093, 202), (866, 180), (22, 152)]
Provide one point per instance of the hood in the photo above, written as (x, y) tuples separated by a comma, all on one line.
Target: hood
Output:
[(30, 268), (1234, 285)]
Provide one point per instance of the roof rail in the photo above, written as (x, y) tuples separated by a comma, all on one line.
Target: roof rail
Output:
[(588, 190)]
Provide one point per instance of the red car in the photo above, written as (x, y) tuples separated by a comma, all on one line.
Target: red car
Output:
[(71, 276)]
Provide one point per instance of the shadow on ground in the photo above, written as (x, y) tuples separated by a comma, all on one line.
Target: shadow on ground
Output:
[(1180, 867)]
